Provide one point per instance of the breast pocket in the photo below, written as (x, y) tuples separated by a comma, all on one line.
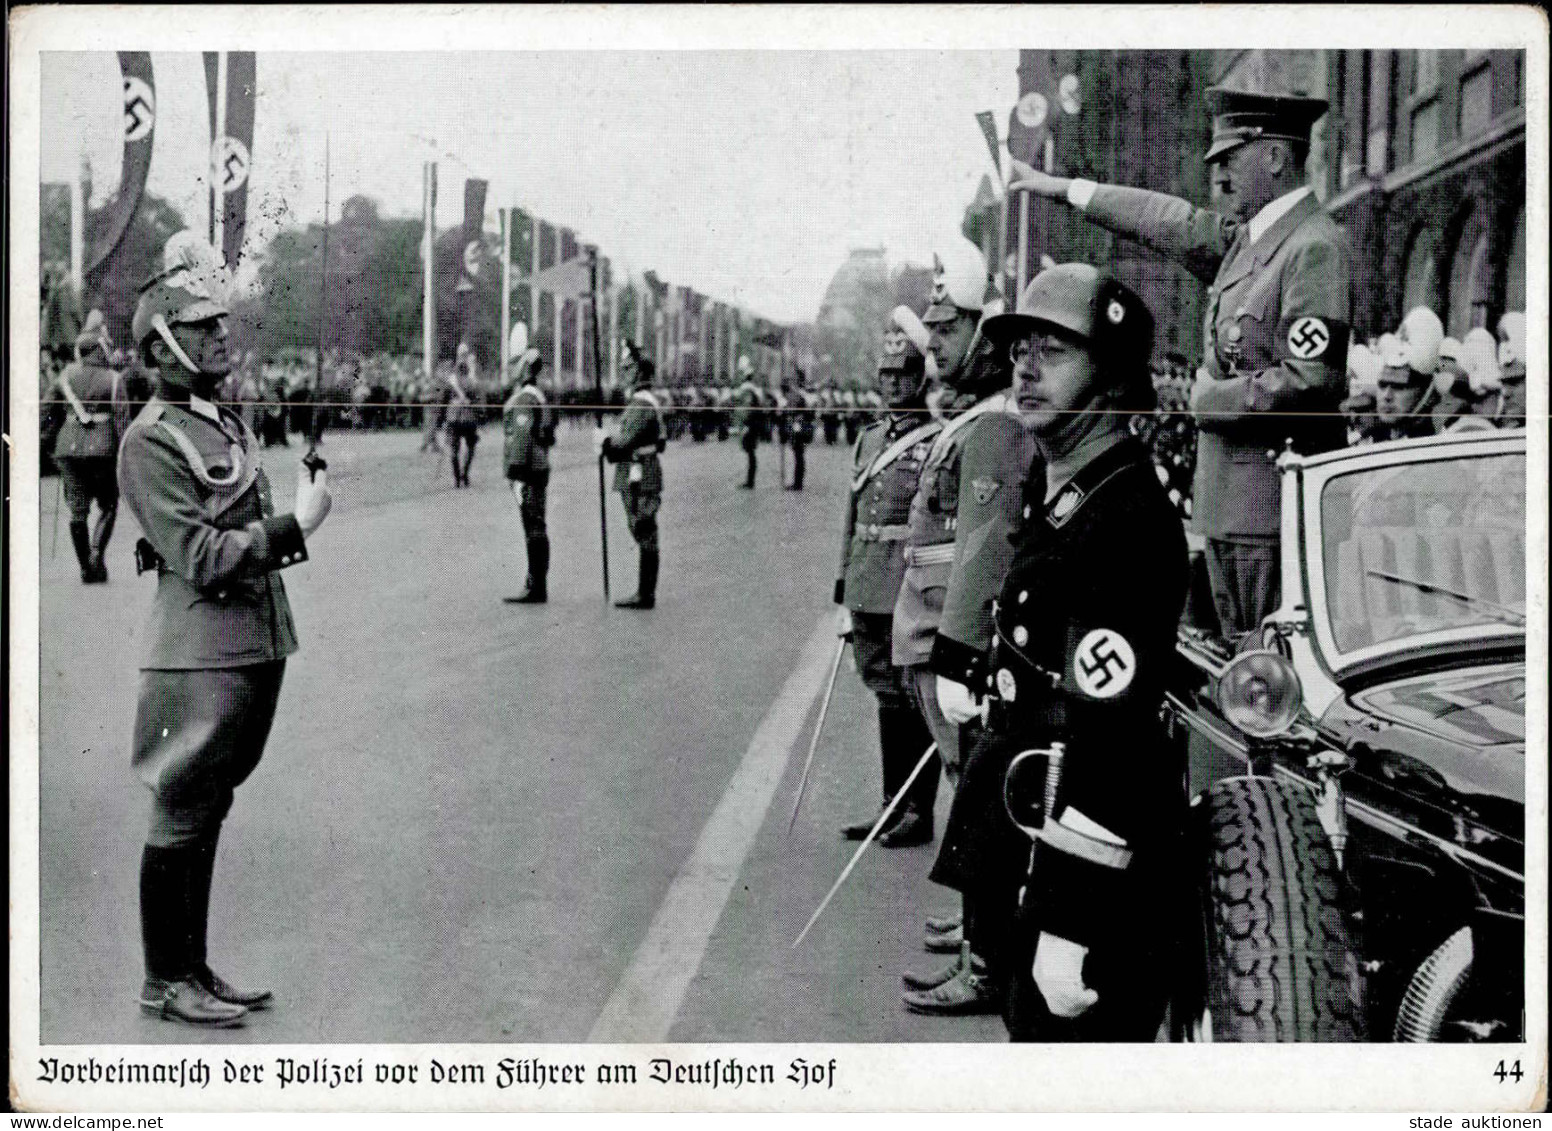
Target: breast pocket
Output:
[(1246, 324)]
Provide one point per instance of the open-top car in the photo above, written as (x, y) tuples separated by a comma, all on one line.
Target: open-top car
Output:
[(1357, 767)]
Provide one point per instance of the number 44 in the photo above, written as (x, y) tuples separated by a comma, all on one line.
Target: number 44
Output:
[(1513, 1070)]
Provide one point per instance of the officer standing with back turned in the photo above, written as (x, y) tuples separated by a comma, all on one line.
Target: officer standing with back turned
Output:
[(220, 627), (1278, 318), (528, 422)]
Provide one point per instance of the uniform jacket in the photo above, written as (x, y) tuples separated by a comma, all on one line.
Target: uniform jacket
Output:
[(460, 399), (198, 492), (931, 550), (1276, 333), (887, 462), (800, 416), (528, 422), (636, 445), (749, 415), (1085, 634), (999, 464), (95, 393)]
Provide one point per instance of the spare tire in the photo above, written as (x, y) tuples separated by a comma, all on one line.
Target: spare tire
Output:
[(1280, 963)]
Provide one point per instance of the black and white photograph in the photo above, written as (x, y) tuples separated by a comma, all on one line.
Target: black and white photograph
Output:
[(777, 558)]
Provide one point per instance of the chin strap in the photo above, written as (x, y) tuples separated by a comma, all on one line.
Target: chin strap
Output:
[(164, 331)]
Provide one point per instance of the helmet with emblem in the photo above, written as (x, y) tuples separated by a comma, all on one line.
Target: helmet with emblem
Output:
[(192, 286), (93, 336), (1089, 306), (961, 284)]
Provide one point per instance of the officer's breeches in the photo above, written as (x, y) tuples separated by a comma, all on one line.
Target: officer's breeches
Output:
[(531, 504), (641, 515), (84, 478), (198, 735)]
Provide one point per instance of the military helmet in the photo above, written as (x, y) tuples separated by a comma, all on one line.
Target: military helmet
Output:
[(1090, 306), (1421, 333), (93, 334), (960, 283), (190, 287), (905, 341), (1511, 338)]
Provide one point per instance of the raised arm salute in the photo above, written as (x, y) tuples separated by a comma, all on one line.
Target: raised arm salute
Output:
[(1276, 331)]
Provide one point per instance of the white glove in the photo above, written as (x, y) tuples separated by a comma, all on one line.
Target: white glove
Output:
[(599, 436), (956, 702), (843, 623), (1059, 976), (312, 501)]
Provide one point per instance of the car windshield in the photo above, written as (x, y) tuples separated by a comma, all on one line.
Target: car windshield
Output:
[(1421, 547)]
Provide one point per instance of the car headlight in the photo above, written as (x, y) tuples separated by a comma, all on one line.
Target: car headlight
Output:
[(1259, 693)]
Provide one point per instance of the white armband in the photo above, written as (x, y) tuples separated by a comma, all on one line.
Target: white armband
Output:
[(1080, 192)]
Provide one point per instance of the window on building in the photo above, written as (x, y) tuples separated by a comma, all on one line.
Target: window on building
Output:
[(1476, 100), (1421, 285), (1377, 150), (1423, 105), (1469, 280)]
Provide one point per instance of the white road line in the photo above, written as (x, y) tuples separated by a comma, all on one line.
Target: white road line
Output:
[(647, 998)]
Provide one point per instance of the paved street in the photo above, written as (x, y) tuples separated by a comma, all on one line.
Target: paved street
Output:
[(481, 822)]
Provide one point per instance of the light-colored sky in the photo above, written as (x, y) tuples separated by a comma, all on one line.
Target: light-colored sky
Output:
[(745, 174)]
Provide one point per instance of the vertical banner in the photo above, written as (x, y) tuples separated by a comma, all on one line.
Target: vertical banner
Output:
[(428, 275), (472, 260), (139, 132), (235, 152), (212, 60), (988, 123)]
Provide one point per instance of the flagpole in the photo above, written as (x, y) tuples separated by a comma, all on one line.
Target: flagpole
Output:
[(428, 311), (598, 400), (506, 293), (323, 282)]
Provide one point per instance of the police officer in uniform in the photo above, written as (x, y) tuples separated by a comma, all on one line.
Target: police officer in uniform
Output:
[(220, 627), (965, 514), (1276, 330), (528, 422), (459, 413), (638, 472), (1085, 627), (800, 426), (87, 415), (886, 465), (749, 419), (1404, 389)]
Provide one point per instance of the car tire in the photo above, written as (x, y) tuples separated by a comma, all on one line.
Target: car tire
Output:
[(1280, 962)]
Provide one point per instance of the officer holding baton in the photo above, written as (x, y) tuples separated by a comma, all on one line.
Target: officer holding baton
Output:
[(220, 627)]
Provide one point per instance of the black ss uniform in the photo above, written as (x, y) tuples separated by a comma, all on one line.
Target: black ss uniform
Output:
[(1085, 632)]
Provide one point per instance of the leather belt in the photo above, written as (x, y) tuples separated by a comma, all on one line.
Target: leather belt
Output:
[(940, 553), (874, 532)]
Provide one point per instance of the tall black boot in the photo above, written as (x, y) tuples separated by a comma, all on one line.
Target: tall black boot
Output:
[(750, 467), (100, 535), (536, 592), (646, 589), (81, 539), (202, 864), (909, 739), (164, 884), (891, 725)]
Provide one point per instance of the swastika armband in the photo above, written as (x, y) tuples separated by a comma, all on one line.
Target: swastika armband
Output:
[(1312, 337), (1100, 663)]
